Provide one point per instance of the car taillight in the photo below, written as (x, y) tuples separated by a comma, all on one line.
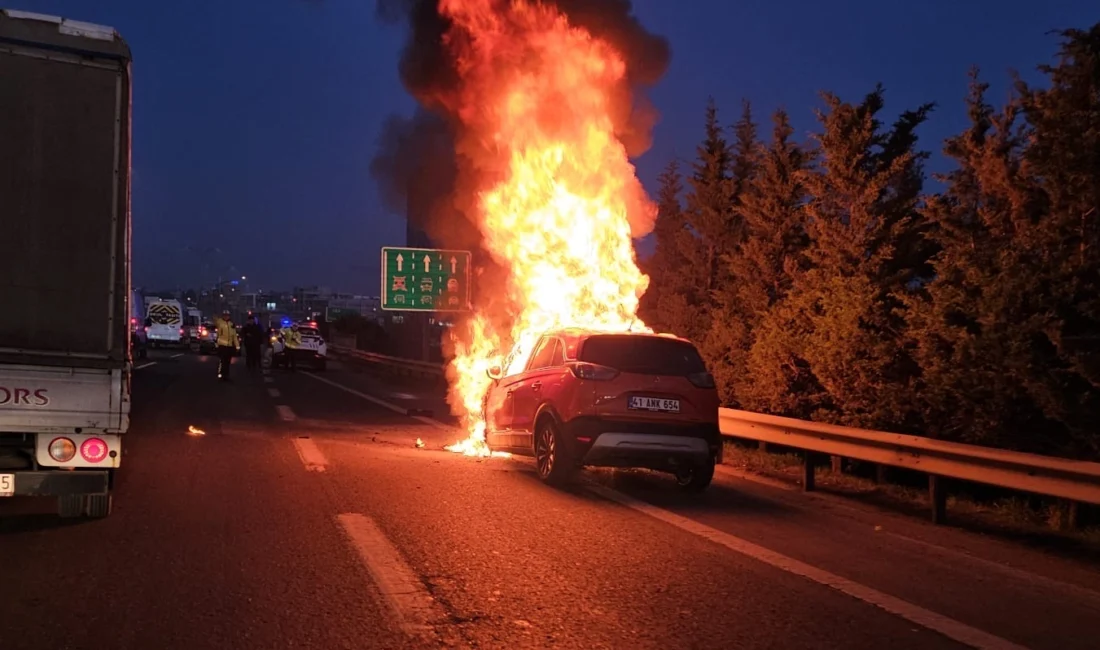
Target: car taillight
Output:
[(62, 450), (181, 331), (593, 371), (93, 450), (702, 380)]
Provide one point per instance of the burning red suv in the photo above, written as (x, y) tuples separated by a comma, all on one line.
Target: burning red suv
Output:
[(609, 400)]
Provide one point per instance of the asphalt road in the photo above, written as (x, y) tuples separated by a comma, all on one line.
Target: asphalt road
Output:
[(307, 518)]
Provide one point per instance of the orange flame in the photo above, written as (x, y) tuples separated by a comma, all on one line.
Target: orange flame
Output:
[(192, 430), (539, 98)]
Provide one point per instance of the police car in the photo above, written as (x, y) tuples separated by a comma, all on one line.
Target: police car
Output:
[(312, 351)]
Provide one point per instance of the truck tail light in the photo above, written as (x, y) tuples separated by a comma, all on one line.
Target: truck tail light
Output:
[(93, 450), (62, 450)]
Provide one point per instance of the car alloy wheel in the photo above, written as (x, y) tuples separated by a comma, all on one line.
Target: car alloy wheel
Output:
[(545, 450)]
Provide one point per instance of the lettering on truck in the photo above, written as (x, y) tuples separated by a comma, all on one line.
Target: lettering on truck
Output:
[(16, 396)]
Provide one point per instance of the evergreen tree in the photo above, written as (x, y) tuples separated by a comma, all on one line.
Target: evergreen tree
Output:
[(1007, 333), (670, 302), (832, 349), (728, 336)]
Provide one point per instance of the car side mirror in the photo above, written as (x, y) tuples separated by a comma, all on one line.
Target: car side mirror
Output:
[(495, 372)]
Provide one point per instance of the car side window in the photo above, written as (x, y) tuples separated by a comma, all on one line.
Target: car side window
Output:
[(543, 354), (558, 358)]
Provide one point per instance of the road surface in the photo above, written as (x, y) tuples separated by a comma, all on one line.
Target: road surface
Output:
[(307, 518)]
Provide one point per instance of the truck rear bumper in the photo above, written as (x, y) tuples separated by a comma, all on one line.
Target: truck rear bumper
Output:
[(60, 483)]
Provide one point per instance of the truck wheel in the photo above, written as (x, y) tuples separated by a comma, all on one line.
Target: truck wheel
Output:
[(70, 505), (94, 506), (97, 506)]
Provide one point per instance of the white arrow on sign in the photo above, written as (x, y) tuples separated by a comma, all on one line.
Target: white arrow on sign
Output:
[(400, 261), (427, 263), (454, 265)]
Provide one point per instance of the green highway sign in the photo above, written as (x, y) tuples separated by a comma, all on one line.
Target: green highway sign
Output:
[(425, 279)]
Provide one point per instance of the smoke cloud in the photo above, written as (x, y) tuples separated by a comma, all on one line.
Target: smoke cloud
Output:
[(423, 154)]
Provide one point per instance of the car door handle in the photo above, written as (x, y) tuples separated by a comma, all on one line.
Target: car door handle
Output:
[(536, 386)]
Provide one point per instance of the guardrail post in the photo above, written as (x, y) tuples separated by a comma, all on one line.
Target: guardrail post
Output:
[(807, 471), (880, 474), (937, 494), (836, 463), (762, 446)]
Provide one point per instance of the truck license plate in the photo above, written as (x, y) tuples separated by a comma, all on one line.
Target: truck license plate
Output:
[(655, 404), (7, 485)]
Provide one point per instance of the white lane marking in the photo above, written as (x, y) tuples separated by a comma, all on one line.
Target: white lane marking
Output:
[(310, 454), (285, 414), (402, 396), (370, 398), (946, 626), (269, 380), (145, 365), (274, 392), (411, 603), (176, 356)]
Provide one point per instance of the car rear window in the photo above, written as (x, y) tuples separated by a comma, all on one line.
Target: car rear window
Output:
[(308, 331), (643, 355)]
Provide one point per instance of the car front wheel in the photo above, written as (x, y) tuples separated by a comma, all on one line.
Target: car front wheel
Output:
[(552, 460), (696, 477)]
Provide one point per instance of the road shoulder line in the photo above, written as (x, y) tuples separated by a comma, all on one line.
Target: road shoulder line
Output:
[(412, 605), (944, 625)]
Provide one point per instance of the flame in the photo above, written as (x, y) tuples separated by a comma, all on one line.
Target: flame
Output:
[(539, 98), (192, 430)]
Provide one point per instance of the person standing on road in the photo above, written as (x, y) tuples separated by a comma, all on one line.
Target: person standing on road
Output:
[(253, 342), (292, 341), (228, 344)]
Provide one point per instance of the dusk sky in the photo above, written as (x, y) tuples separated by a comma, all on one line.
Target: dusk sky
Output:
[(255, 122)]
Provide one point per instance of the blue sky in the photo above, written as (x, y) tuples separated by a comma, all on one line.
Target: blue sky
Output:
[(255, 122)]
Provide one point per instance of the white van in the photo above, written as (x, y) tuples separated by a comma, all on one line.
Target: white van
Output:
[(164, 322)]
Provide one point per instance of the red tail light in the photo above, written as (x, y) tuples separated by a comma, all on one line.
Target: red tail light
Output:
[(593, 371), (181, 331), (93, 450), (702, 380)]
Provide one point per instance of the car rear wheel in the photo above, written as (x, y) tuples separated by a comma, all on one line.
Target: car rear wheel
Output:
[(696, 477), (551, 456)]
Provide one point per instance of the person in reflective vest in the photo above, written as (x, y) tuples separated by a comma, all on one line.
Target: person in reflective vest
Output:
[(292, 342), (228, 344)]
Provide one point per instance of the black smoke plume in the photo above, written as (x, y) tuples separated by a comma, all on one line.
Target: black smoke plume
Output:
[(417, 154)]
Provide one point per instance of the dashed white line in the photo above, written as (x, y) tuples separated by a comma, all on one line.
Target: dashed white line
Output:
[(407, 597), (946, 626), (310, 454), (176, 356), (285, 414), (370, 398), (402, 396), (145, 365), (274, 392), (269, 380)]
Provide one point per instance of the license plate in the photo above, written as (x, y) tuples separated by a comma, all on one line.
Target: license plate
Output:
[(655, 404), (7, 485)]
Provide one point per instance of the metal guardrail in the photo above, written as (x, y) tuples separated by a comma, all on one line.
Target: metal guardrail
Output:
[(1077, 481)]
